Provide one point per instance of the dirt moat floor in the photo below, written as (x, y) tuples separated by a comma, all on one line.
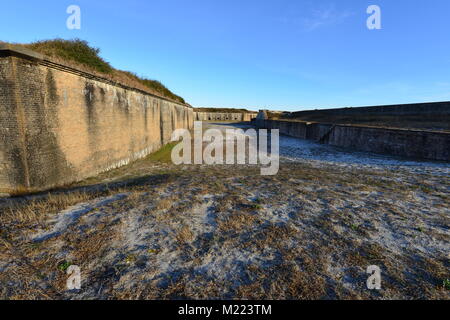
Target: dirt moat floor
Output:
[(154, 230)]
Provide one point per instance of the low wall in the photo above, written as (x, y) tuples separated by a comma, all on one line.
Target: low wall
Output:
[(405, 143), (59, 125), (219, 116)]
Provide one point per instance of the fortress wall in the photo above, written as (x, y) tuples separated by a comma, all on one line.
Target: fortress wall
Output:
[(249, 116), (219, 116), (405, 143), (425, 109), (58, 125)]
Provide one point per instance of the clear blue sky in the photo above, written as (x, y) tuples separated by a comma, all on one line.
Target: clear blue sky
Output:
[(277, 54)]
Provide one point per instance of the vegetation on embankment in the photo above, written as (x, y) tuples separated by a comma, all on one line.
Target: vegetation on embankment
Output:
[(79, 53), (223, 110)]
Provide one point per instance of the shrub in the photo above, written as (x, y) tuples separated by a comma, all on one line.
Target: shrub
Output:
[(75, 50)]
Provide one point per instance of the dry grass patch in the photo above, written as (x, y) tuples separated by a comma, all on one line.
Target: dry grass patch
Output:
[(283, 281), (165, 204), (184, 235), (23, 213), (237, 222)]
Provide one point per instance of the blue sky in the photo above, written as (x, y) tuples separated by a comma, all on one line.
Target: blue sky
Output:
[(277, 54)]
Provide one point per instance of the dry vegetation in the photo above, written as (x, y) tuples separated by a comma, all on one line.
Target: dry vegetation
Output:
[(79, 54), (154, 231), (224, 110)]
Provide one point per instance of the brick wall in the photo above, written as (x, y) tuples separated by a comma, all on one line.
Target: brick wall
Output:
[(220, 116), (58, 126)]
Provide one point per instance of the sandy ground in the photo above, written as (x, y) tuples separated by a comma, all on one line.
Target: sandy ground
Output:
[(159, 231)]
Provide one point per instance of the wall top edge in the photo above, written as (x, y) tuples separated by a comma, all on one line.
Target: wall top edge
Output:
[(215, 112), (11, 49), (367, 109), (7, 49)]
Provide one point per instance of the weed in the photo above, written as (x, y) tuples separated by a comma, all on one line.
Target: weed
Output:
[(130, 259), (446, 284), (257, 206)]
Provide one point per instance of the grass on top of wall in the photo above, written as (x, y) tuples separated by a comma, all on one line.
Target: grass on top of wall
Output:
[(73, 50), (155, 85), (81, 53)]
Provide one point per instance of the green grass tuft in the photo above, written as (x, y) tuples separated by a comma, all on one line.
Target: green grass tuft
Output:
[(164, 154), (155, 85), (63, 266), (446, 284)]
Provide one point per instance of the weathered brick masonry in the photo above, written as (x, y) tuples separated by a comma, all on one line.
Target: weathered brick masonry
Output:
[(59, 125), (405, 143), (220, 116)]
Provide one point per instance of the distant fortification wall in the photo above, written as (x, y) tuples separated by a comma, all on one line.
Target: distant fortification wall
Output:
[(431, 108), (405, 143), (433, 116), (220, 116), (59, 125)]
